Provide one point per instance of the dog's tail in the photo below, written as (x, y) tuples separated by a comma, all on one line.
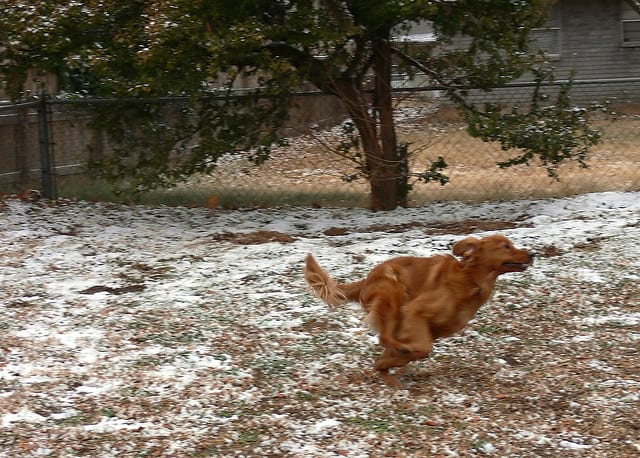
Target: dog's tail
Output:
[(326, 288)]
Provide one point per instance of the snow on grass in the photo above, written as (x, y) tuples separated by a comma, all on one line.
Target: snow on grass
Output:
[(140, 331)]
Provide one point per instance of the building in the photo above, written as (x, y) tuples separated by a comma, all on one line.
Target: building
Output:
[(598, 41)]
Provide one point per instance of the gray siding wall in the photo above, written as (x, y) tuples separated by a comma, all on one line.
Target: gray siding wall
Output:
[(592, 40), (591, 45)]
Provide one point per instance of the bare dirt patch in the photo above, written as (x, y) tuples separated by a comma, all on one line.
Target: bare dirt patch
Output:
[(255, 238), (461, 227)]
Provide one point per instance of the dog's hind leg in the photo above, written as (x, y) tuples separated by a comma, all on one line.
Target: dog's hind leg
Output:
[(419, 342), (393, 358), (382, 301)]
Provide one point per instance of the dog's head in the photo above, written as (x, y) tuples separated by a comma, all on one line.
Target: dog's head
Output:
[(494, 252)]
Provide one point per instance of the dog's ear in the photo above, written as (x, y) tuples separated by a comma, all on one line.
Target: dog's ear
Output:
[(465, 247)]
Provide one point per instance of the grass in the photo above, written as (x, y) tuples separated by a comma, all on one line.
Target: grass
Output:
[(542, 378), (307, 174), (203, 195), (474, 175)]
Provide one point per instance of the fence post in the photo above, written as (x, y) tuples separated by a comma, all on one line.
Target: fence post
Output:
[(21, 130), (46, 158)]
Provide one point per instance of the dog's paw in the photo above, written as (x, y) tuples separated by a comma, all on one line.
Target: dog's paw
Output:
[(391, 380)]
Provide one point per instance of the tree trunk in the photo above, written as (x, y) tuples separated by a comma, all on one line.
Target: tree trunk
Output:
[(388, 175), (384, 164)]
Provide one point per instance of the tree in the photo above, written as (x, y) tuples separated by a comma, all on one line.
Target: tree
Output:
[(198, 48)]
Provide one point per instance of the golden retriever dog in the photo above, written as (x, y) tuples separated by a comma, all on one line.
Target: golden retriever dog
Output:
[(412, 301)]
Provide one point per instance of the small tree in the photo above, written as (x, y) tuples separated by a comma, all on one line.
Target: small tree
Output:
[(200, 48)]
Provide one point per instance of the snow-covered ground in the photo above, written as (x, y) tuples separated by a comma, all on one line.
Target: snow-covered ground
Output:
[(133, 331)]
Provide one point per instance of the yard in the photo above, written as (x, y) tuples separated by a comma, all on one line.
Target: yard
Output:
[(309, 165), (135, 331)]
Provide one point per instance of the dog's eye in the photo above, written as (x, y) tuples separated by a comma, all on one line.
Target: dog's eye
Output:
[(507, 246)]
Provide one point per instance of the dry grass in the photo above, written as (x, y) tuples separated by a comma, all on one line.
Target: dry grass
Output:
[(612, 165), (309, 168), (307, 173)]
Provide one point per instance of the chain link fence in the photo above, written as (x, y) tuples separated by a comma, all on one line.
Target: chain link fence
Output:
[(47, 145)]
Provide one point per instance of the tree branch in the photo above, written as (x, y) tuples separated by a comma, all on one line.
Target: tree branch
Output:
[(334, 11), (451, 90), (312, 68)]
